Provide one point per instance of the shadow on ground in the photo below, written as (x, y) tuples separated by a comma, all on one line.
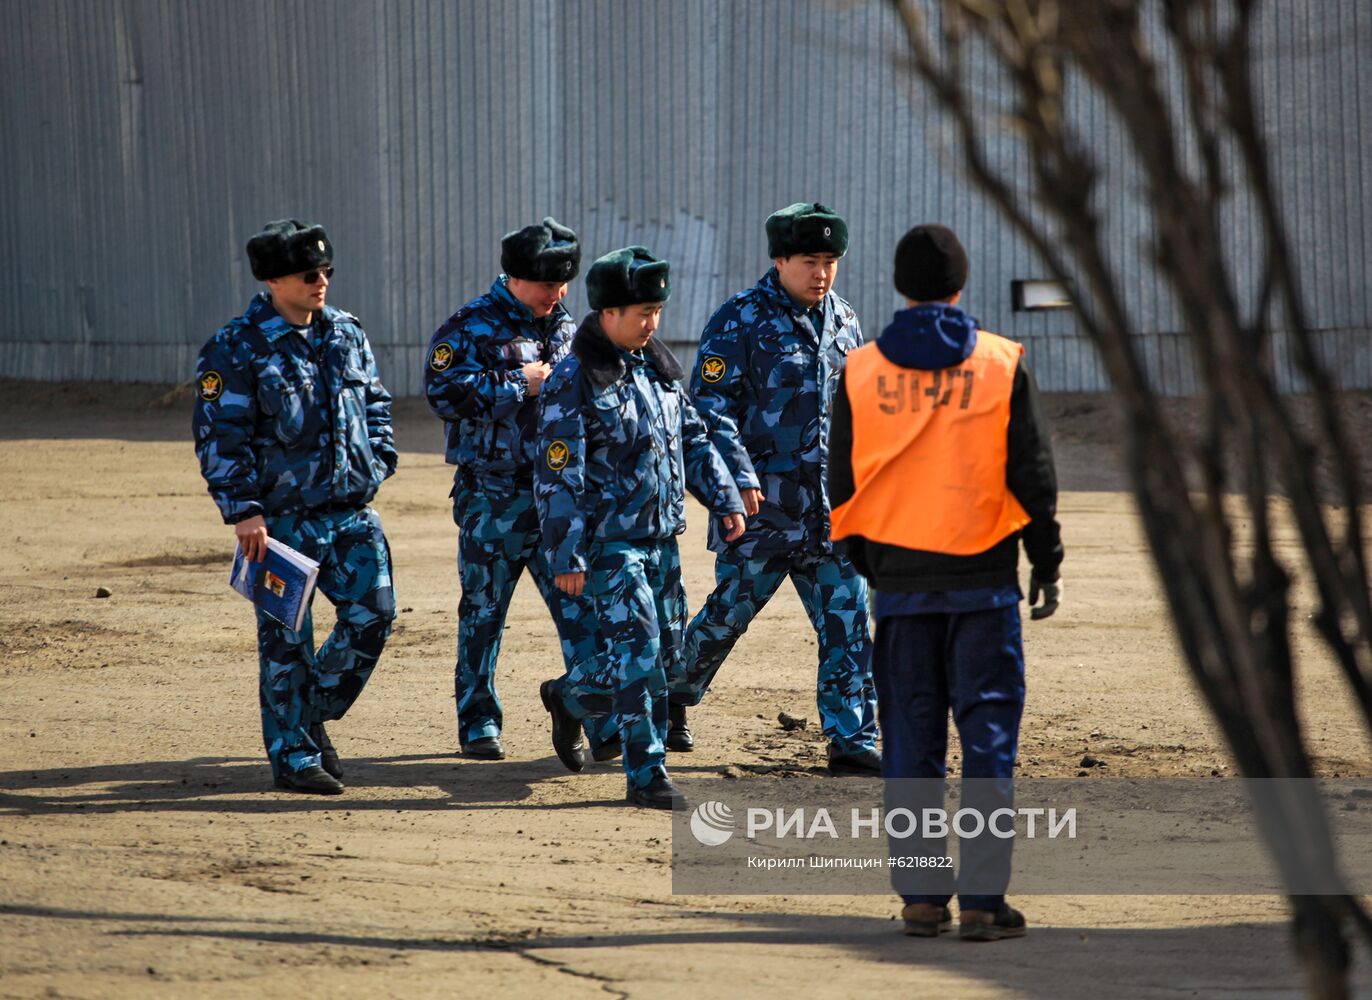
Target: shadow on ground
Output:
[(244, 785), (1231, 960)]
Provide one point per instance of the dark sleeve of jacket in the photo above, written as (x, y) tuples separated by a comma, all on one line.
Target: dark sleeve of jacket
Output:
[(1032, 477), (841, 470)]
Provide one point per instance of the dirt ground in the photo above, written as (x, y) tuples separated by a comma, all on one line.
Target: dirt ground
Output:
[(143, 852)]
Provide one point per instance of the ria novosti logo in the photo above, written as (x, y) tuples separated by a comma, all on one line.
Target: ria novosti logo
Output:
[(712, 823)]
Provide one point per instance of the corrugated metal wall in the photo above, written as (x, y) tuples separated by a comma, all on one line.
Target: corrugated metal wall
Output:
[(145, 140)]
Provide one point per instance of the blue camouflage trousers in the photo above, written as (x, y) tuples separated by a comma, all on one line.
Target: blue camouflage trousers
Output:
[(300, 685), (641, 606), (498, 537), (835, 599)]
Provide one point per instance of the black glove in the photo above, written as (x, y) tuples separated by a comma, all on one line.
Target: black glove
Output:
[(1050, 591)]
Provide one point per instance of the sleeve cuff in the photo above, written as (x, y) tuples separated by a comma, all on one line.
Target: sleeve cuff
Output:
[(235, 513), (729, 502), (576, 565)]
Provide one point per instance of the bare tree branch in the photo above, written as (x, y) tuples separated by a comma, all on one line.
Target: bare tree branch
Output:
[(1229, 597)]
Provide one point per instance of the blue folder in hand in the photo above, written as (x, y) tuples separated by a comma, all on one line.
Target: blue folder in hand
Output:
[(281, 585)]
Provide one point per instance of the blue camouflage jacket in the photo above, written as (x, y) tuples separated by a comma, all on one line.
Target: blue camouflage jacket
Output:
[(764, 381), (282, 428), (619, 443), (472, 380)]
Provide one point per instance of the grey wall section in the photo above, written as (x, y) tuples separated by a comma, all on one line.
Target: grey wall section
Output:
[(145, 140)]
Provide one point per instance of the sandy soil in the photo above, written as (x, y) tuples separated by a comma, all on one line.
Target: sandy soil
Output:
[(144, 854)]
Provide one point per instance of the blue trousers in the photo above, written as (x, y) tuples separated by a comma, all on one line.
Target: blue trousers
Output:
[(835, 599), (925, 665), (498, 538), (641, 607), (300, 685)]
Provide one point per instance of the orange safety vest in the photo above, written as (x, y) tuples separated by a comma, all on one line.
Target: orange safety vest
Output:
[(929, 451)]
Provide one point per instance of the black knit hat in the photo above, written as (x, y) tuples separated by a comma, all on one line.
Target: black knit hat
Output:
[(806, 227), (546, 252), (288, 246), (627, 277), (930, 264)]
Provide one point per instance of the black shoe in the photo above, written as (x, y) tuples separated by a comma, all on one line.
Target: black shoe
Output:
[(866, 763), (985, 925), (659, 793), (328, 755), (571, 750), (484, 748), (679, 739), (608, 750), (314, 780)]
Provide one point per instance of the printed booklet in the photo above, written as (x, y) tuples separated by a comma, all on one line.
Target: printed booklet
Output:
[(281, 585)]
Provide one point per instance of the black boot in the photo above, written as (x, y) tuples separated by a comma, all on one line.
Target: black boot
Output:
[(314, 780), (659, 793), (328, 755), (679, 738), (567, 742), (484, 748), (863, 763)]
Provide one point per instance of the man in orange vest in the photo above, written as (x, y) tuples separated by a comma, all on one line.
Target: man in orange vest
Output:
[(940, 466)]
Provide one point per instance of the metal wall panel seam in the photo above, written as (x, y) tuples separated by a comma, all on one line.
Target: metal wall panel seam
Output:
[(1361, 133), (1322, 308)]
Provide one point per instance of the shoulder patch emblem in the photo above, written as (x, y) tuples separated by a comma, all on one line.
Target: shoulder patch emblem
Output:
[(557, 455), (211, 386), (441, 357), (712, 369)]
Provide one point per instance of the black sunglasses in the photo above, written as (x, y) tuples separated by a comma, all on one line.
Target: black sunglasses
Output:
[(312, 277)]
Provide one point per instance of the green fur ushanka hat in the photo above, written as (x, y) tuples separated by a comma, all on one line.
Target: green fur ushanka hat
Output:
[(806, 227), (546, 252), (627, 277), (288, 246)]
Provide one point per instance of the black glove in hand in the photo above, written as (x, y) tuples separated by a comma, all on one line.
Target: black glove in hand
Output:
[(1050, 591)]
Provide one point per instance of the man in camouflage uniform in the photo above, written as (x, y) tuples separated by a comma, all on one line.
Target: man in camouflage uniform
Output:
[(293, 430), (483, 372), (764, 381), (619, 443)]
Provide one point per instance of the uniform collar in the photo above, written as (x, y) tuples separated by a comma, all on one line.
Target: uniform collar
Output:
[(607, 363), (521, 315), (832, 318), (263, 315), (772, 288)]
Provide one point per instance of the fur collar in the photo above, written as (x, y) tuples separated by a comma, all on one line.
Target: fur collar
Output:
[(604, 362)]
